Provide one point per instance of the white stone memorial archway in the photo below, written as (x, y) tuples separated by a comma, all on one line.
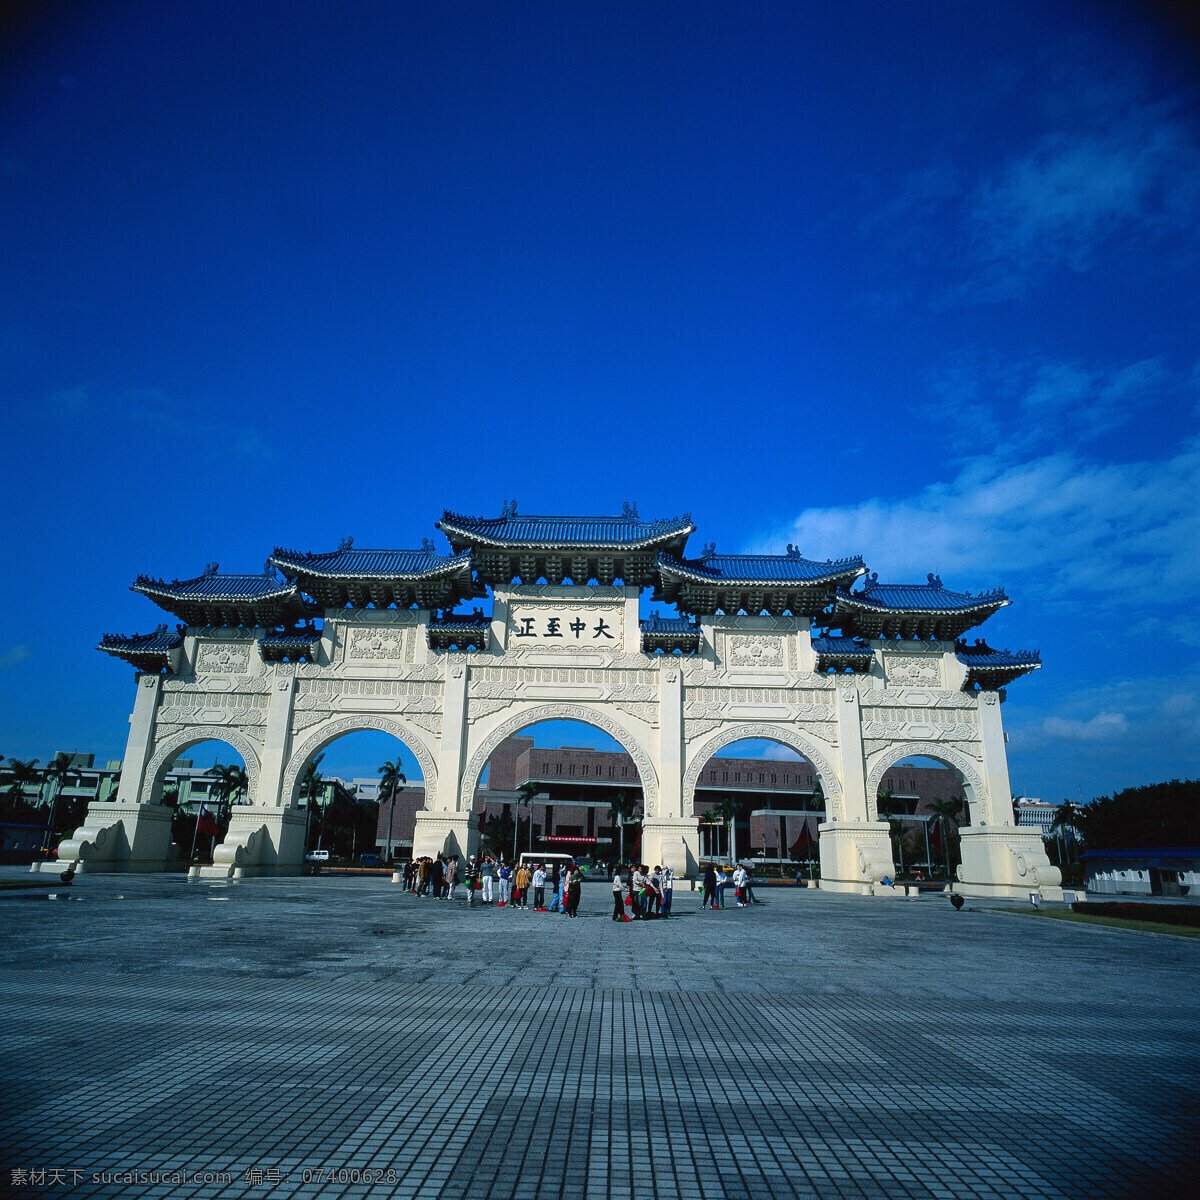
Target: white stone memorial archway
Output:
[(565, 640)]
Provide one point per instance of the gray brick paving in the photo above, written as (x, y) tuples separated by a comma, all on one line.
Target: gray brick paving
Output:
[(813, 1046)]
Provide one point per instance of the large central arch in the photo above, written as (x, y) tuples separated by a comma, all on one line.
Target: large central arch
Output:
[(977, 794), (537, 713), (775, 733), (336, 729)]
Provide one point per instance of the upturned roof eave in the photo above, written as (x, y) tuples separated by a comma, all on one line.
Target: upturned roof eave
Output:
[(844, 569), (858, 603), (172, 592), (467, 536), (453, 566)]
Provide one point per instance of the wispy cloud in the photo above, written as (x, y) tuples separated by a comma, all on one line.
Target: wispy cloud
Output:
[(14, 656), (974, 397), (1095, 532), (1133, 174), (155, 410)]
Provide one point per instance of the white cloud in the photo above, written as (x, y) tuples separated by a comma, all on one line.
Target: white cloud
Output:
[(1088, 530), (1102, 727)]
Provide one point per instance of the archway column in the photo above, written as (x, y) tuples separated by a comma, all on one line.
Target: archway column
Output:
[(266, 837), (671, 838), (128, 835), (450, 828), (998, 858), (856, 852)]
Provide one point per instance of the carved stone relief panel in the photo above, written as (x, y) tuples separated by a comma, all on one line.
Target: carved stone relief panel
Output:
[(383, 643), (920, 670), (223, 658), (746, 650)]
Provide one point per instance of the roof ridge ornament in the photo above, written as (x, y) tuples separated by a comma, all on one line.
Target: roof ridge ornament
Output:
[(794, 552), (346, 543), (629, 510), (210, 569), (427, 545), (709, 551), (268, 569), (509, 510), (935, 582), (872, 581)]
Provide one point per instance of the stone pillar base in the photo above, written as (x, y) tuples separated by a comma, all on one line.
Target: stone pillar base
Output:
[(117, 837), (999, 860), (260, 841), (672, 842), (446, 833), (855, 856)]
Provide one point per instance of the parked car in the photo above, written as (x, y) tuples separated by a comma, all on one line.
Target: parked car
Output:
[(317, 856), (370, 860)]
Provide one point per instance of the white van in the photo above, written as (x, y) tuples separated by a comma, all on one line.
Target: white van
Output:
[(317, 856)]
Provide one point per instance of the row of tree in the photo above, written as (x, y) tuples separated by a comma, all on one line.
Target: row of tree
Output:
[(1156, 815)]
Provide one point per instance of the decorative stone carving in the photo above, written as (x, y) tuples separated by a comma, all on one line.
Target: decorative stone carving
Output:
[(373, 644), (756, 651), (776, 733), (913, 670), (647, 713), (223, 658), (478, 709), (335, 729), (562, 712)]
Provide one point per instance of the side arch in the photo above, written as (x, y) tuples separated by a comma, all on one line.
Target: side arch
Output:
[(977, 795), (775, 733), (330, 732), (536, 713), (169, 749)]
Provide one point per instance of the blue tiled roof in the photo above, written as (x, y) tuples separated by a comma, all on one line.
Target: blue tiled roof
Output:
[(981, 655), (211, 586), (366, 564), (511, 529), (471, 620), (843, 646), (921, 597), (760, 568), (668, 625), (158, 642), (293, 637)]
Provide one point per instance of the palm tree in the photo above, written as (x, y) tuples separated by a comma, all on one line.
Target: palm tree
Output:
[(391, 781), (1068, 820), (230, 784), (61, 773), (947, 810), (312, 786), (528, 791), (623, 810)]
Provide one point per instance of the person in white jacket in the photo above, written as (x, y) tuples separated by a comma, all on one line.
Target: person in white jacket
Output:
[(739, 885), (539, 889)]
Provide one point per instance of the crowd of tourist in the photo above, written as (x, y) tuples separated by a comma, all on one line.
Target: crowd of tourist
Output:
[(640, 893)]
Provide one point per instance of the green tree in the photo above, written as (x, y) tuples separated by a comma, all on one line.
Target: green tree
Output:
[(391, 780), (500, 832), (229, 786), (947, 813), (312, 788), (17, 806), (529, 790), (623, 810), (61, 774), (1068, 821), (724, 814)]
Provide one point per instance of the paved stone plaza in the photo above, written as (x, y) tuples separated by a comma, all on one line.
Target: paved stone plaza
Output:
[(814, 1045)]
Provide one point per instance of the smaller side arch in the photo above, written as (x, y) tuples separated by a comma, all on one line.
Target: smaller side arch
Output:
[(977, 793), (775, 733), (536, 713), (335, 729), (167, 750)]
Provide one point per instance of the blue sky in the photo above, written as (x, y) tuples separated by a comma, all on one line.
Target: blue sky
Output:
[(911, 282)]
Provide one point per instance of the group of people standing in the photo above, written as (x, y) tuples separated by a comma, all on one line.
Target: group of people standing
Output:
[(491, 880), (645, 892), (715, 882)]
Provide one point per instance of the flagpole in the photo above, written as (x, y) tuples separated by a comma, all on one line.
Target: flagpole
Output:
[(195, 832)]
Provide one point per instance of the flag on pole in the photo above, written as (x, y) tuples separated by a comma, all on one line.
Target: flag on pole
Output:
[(206, 823)]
